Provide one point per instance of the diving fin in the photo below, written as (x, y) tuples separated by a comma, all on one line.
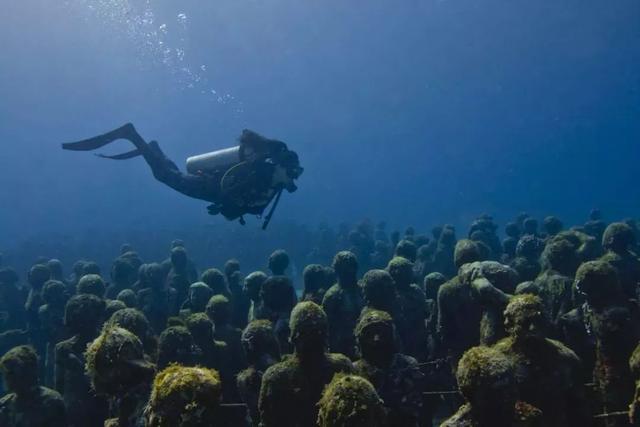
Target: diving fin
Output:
[(127, 132), (128, 155)]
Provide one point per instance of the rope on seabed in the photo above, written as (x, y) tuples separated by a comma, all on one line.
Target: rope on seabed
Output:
[(457, 392), (612, 415)]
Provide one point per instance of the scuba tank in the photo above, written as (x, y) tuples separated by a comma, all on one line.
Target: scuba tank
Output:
[(213, 161)]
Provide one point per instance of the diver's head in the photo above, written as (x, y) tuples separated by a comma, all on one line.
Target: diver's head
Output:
[(290, 161)]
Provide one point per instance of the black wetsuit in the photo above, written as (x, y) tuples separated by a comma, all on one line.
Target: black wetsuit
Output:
[(251, 195)]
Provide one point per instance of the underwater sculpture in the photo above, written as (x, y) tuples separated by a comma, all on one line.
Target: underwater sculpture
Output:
[(292, 388), (350, 400), (547, 373), (343, 303), (396, 377), (28, 403), (487, 380), (239, 180)]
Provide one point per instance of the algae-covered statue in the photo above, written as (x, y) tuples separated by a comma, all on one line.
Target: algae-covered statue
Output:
[(261, 347), (184, 397), (547, 373), (28, 403), (396, 377), (343, 303), (237, 181), (350, 401), (118, 369), (292, 388), (487, 380), (82, 317)]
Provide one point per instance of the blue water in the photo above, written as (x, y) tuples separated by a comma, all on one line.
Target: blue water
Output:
[(417, 112)]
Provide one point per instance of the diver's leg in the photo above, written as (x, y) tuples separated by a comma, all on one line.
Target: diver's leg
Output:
[(201, 187), (164, 170), (151, 152)]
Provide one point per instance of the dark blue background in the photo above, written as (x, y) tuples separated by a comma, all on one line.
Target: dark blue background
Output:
[(419, 112)]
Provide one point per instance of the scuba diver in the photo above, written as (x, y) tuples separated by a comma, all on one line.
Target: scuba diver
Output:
[(239, 180)]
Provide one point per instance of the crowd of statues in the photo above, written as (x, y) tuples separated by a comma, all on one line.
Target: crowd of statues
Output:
[(540, 328)]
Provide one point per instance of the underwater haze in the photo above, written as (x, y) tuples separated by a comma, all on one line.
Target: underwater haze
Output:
[(415, 112)]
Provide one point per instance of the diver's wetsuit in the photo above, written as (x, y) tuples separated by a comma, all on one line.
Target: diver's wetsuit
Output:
[(204, 187), (267, 168)]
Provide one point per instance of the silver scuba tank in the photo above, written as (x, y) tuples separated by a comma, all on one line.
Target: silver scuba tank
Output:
[(215, 160)]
